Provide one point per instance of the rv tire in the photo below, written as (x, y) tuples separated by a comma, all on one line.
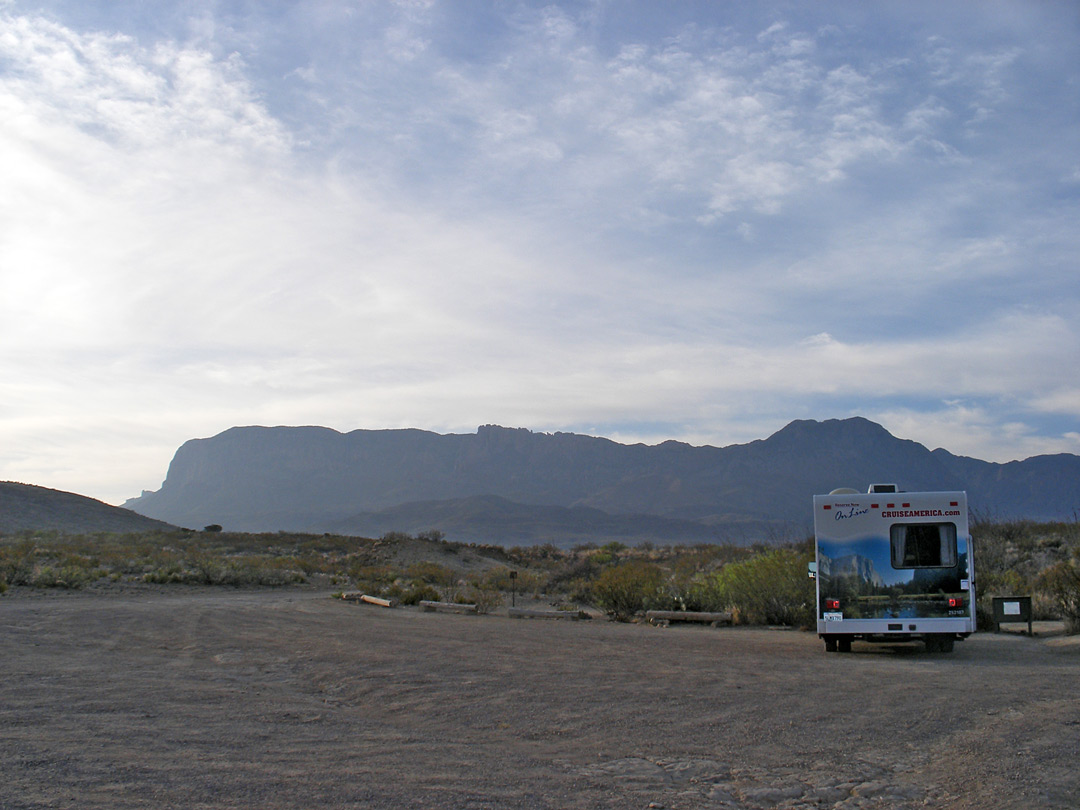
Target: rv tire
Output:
[(939, 643), (830, 643), (843, 645)]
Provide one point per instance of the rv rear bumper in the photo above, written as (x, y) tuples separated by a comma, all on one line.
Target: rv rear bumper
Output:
[(897, 629)]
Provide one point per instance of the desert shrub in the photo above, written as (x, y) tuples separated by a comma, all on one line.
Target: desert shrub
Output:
[(608, 553), (1013, 558), (51, 564), (486, 591), (429, 572), (168, 574), (487, 599), (204, 567), (64, 576), (1061, 582), (248, 572), (770, 588), (499, 579), (17, 562), (629, 588), (412, 594), (693, 580), (1002, 553), (571, 575), (372, 578), (199, 567)]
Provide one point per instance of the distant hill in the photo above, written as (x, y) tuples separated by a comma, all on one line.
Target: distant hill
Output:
[(514, 486), (27, 507)]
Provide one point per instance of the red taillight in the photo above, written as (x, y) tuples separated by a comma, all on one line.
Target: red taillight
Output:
[(832, 604), (956, 601)]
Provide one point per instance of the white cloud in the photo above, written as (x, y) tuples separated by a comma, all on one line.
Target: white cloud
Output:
[(1062, 400), (670, 124), (965, 430)]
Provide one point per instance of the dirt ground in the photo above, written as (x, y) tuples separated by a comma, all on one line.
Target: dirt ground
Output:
[(215, 698)]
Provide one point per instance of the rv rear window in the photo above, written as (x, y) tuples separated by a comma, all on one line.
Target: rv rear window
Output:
[(923, 545)]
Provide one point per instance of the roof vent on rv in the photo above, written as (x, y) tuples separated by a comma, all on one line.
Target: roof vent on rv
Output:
[(844, 491), (883, 488)]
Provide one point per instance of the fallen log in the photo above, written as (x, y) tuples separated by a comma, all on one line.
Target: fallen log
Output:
[(358, 597), (378, 600), (447, 607), (701, 617), (533, 613)]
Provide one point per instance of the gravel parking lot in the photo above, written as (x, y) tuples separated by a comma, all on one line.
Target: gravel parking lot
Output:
[(215, 698)]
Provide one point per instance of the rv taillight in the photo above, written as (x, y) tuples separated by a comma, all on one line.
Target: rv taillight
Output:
[(832, 604), (956, 601)]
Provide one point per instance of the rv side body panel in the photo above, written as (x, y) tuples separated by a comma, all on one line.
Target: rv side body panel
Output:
[(894, 565)]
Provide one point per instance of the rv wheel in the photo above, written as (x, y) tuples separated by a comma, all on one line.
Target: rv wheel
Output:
[(844, 645), (939, 644), (830, 643)]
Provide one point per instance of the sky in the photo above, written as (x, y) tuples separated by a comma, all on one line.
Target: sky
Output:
[(646, 221)]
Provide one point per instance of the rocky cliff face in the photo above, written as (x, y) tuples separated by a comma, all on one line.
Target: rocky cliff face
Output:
[(316, 479), (857, 566)]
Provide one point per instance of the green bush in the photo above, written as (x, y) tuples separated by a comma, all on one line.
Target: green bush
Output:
[(1012, 558), (165, 575), (499, 579), (771, 588), (486, 598), (1062, 583), (629, 588), (430, 573), (372, 578), (412, 595)]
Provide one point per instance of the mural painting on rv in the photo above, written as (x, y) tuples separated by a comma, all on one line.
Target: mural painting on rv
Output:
[(910, 574)]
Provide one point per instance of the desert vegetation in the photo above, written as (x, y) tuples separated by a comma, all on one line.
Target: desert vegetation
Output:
[(762, 584), (1019, 558)]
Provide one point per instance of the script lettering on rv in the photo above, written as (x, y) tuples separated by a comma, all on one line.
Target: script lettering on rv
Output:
[(850, 513)]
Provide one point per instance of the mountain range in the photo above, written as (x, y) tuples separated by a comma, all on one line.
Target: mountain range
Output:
[(512, 486)]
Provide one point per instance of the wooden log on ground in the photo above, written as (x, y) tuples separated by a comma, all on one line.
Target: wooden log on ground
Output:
[(378, 600), (701, 617), (447, 607), (533, 613), (357, 597)]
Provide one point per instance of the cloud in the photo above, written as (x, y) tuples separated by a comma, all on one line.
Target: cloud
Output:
[(968, 430), (689, 125)]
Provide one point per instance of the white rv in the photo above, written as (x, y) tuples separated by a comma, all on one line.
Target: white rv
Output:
[(893, 566)]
